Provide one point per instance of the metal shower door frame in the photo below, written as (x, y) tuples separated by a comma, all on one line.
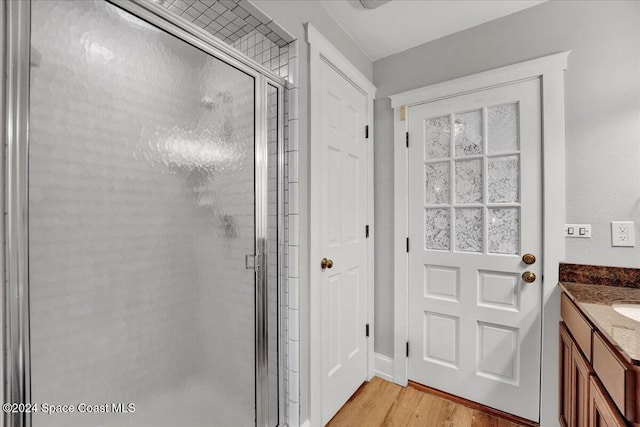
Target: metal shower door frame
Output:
[(15, 307)]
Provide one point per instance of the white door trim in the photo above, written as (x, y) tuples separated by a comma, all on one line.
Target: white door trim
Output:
[(320, 49), (550, 71)]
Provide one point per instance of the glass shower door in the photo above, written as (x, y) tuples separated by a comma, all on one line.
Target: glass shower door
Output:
[(141, 212)]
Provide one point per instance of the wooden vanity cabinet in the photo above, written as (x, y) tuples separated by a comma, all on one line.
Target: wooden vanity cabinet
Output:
[(598, 387), (602, 411), (565, 376), (577, 324), (615, 374), (580, 375), (575, 373)]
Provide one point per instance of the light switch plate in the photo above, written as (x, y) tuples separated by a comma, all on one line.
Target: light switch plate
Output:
[(623, 233), (580, 231)]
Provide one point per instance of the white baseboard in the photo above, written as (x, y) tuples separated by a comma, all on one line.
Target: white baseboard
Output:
[(307, 423), (383, 366)]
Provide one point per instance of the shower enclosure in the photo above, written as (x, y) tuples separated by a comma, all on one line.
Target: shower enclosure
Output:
[(143, 214)]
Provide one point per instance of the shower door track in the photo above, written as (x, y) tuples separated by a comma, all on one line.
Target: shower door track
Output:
[(15, 375)]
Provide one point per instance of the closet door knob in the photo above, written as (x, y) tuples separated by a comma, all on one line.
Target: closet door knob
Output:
[(528, 277), (528, 258), (326, 263)]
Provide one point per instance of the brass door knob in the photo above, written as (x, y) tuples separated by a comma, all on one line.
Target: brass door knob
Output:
[(326, 263), (528, 277), (528, 258)]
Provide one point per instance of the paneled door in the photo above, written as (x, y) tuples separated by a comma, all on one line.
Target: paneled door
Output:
[(474, 236), (343, 239)]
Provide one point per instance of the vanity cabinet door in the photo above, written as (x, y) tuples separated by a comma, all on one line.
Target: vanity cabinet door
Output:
[(580, 374), (602, 411), (565, 376), (615, 374)]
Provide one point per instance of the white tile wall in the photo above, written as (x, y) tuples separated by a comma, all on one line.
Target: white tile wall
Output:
[(262, 50), (292, 220), (228, 20)]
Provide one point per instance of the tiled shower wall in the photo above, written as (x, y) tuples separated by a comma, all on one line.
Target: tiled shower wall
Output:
[(241, 25), (228, 20), (265, 52)]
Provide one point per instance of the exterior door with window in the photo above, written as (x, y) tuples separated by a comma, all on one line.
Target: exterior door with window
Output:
[(474, 212)]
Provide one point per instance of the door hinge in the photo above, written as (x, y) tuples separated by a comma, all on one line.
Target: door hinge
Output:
[(252, 262), (366, 131), (367, 329), (407, 348), (366, 231), (407, 139), (407, 245)]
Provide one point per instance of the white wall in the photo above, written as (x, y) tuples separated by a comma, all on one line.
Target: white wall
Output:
[(602, 118), (291, 15)]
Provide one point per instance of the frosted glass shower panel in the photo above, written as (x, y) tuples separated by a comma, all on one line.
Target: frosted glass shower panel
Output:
[(141, 211)]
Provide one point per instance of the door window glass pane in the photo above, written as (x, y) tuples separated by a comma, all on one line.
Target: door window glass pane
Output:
[(503, 128), (469, 196), (504, 182), (468, 133), (437, 183), (437, 138), (504, 230), (469, 229), (469, 181), (437, 229)]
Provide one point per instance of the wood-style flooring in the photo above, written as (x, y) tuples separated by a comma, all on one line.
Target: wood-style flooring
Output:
[(381, 403)]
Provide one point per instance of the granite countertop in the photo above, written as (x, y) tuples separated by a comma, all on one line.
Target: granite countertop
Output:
[(595, 301)]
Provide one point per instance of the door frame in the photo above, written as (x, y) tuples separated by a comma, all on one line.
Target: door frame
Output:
[(320, 49), (549, 70), (14, 309)]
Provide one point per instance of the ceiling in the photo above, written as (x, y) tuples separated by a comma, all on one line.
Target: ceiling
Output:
[(403, 24)]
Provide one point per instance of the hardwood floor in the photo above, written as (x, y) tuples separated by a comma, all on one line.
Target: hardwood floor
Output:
[(381, 403)]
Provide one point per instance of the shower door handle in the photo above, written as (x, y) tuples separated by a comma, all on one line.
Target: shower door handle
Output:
[(252, 262)]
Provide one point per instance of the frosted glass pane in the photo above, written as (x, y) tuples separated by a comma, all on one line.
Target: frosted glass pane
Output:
[(504, 230), (141, 193), (272, 253), (469, 181), (468, 133), (469, 229), (437, 229), (437, 138), (503, 128), (436, 183), (504, 179)]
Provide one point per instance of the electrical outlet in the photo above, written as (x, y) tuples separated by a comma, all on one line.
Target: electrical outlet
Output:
[(581, 231), (623, 233)]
